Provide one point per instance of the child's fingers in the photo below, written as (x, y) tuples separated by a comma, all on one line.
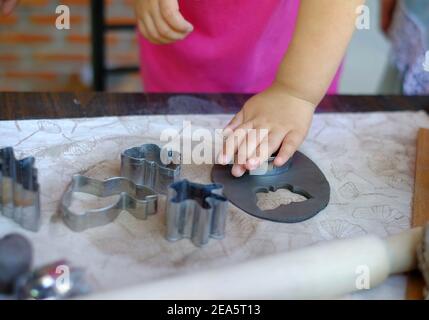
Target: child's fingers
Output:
[(274, 141), (235, 122), (265, 149), (248, 148), (164, 29), (290, 144), (232, 143), (170, 12), (261, 152), (142, 29), (243, 150), (145, 30), (238, 170), (153, 34)]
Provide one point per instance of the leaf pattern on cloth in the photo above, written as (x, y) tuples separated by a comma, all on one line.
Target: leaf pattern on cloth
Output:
[(367, 158)]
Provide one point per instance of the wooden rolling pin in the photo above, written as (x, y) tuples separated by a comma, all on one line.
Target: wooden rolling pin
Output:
[(420, 205), (327, 270)]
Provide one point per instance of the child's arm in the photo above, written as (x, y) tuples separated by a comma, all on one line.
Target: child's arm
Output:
[(7, 6), (323, 31)]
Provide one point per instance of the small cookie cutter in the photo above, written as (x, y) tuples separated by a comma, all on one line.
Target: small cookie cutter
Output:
[(19, 190), (138, 200), (195, 211), (269, 169), (151, 166)]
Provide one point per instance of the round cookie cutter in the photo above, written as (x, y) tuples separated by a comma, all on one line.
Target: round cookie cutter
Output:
[(299, 175)]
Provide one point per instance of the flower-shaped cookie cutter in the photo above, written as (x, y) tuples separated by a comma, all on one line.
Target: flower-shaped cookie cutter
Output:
[(195, 211), (138, 200), (151, 166)]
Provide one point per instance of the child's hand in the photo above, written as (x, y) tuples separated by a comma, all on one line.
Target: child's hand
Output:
[(287, 120), (160, 21), (7, 6)]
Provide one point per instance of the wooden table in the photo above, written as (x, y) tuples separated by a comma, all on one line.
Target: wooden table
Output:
[(14, 106)]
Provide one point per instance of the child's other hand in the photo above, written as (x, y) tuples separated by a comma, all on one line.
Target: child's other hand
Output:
[(286, 119), (160, 21), (7, 6)]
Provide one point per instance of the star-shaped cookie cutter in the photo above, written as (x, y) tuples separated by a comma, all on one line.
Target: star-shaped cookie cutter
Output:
[(151, 166), (195, 211), (140, 201)]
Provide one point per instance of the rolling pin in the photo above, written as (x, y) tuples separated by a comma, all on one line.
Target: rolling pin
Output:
[(420, 215), (326, 270)]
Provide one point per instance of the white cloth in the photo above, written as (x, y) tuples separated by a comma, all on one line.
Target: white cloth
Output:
[(367, 158)]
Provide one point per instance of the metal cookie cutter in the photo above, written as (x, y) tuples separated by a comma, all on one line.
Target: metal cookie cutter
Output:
[(19, 190), (195, 211), (151, 166), (269, 169), (138, 200), (300, 175)]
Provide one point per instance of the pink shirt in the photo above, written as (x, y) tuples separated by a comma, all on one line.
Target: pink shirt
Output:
[(236, 46)]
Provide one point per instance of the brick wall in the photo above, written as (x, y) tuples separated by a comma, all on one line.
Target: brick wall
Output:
[(35, 56)]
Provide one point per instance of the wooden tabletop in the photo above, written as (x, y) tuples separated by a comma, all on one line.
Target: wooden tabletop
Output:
[(23, 105)]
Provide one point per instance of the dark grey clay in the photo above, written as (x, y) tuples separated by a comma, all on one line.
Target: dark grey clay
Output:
[(15, 260), (300, 176)]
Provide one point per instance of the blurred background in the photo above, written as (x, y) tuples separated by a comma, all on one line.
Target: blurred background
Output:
[(35, 56)]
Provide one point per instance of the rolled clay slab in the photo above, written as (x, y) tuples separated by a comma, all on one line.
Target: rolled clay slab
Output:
[(327, 270)]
